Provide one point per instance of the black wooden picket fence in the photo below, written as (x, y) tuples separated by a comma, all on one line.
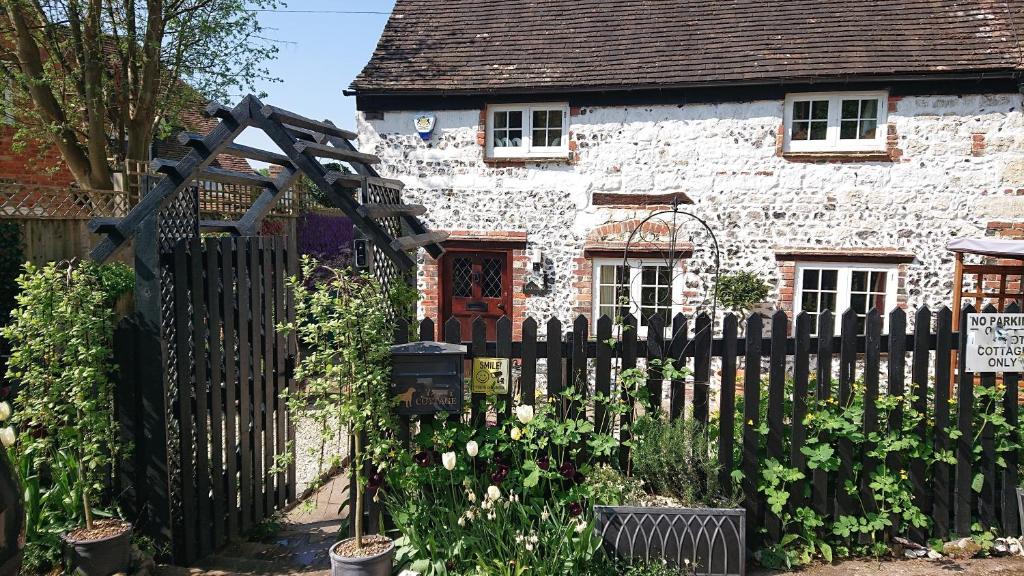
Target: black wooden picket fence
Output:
[(944, 492)]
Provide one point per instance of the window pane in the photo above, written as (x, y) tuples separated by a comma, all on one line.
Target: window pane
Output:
[(800, 130), (859, 302), (540, 119), (664, 299), (555, 119), (809, 302), (515, 119), (868, 129), (801, 110), (820, 110), (869, 109), (828, 302), (819, 130), (664, 275), (608, 274), (829, 279), (648, 297), (554, 138), (607, 295), (650, 275), (859, 280), (500, 120), (848, 130), (860, 324), (540, 137), (878, 280), (810, 279), (515, 138), (850, 109)]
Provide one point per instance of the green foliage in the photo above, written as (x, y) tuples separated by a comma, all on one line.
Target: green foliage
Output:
[(344, 324), (68, 441), (741, 291), (880, 483), (510, 499), (677, 459)]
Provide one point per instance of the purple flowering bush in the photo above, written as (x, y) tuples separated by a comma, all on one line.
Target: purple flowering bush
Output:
[(510, 498)]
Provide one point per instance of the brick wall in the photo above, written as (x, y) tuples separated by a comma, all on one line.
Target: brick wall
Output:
[(34, 164)]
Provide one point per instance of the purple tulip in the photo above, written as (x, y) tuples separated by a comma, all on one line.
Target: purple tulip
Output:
[(575, 509), (567, 470)]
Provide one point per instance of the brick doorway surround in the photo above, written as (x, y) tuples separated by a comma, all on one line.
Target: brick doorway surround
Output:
[(431, 281)]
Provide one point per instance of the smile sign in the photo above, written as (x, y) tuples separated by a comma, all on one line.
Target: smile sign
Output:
[(995, 343)]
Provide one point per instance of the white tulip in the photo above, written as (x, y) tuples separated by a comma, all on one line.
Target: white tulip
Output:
[(448, 459), (5, 411), (472, 448), (7, 436), (493, 492), (524, 413)]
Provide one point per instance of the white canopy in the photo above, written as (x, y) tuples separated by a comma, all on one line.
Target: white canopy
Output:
[(1000, 248)]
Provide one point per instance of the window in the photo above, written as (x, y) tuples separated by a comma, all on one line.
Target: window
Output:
[(836, 287), (837, 122), (643, 289), (528, 130)]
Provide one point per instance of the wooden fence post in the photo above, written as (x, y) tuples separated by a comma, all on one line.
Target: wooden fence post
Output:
[(528, 374), (964, 444), (702, 338), (822, 489), (776, 400), (751, 437), (628, 362), (801, 376), (942, 503), (727, 419), (1008, 497), (603, 374), (677, 353)]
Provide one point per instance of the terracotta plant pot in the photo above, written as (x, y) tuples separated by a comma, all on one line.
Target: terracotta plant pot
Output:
[(379, 564), (101, 556)]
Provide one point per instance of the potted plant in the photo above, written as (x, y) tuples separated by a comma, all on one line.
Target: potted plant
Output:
[(344, 323), (684, 517), (61, 361)]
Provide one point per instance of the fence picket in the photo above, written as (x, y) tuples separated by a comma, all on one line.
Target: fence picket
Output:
[(188, 545), (628, 362), (243, 274), (1008, 497), (554, 356), (528, 375), (401, 336), (919, 399), (677, 353), (227, 305), (215, 346), (965, 413), (426, 330), (267, 327), (453, 335), (776, 399), (847, 373), (872, 359), (801, 375), (702, 338), (727, 420), (280, 368), (655, 355), (200, 385), (256, 382), (603, 373), (478, 408), (987, 496), (751, 418), (941, 477), (578, 375), (503, 349), (822, 487)]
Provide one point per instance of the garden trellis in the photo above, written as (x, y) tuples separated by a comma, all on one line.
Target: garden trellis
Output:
[(202, 362)]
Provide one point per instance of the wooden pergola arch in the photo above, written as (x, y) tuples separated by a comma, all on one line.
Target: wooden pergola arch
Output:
[(302, 141)]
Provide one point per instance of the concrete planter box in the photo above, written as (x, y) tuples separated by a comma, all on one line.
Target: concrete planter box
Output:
[(712, 539)]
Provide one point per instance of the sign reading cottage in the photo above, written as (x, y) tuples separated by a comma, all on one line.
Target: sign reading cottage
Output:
[(834, 146)]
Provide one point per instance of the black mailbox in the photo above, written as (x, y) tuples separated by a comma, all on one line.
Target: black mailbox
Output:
[(427, 377)]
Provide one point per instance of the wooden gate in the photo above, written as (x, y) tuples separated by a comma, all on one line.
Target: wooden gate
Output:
[(226, 367)]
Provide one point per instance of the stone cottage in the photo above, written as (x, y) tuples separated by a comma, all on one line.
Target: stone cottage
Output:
[(833, 147)]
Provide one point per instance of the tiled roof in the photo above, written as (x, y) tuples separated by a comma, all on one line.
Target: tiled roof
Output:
[(538, 45)]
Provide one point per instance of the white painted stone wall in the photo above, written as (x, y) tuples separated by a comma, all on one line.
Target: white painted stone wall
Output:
[(723, 157)]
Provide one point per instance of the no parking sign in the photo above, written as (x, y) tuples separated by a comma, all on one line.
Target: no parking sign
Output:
[(995, 343)]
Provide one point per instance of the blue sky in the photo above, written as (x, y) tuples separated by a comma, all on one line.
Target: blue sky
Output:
[(321, 51)]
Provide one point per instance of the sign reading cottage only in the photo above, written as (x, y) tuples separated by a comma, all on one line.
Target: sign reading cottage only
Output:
[(995, 343)]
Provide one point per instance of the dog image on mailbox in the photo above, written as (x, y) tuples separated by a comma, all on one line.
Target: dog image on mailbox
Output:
[(405, 398)]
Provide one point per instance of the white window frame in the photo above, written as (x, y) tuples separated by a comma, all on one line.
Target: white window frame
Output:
[(832, 142), (843, 292), (635, 270), (527, 150)]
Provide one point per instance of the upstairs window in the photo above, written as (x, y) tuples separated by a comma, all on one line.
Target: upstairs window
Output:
[(836, 122), (836, 287), (528, 131)]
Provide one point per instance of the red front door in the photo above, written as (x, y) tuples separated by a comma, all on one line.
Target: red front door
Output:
[(476, 284)]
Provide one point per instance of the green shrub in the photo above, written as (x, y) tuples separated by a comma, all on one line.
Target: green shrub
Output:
[(741, 291), (677, 459), (68, 442)]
